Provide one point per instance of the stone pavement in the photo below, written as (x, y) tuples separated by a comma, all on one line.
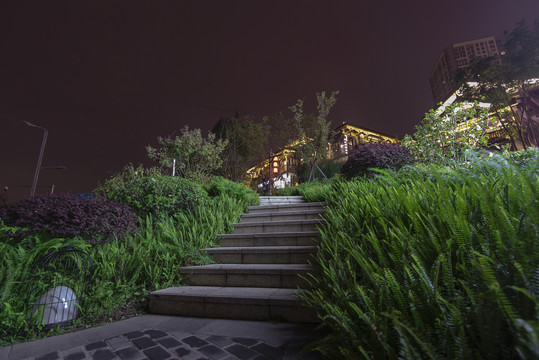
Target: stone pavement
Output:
[(159, 337)]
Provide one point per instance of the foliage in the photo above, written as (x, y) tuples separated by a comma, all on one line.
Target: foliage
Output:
[(150, 259), (375, 155), (124, 269), (524, 159), (313, 140), (281, 131), (313, 191), (329, 168), (446, 137), (196, 157), (432, 263), (245, 140), (17, 269), (150, 192), (66, 215), (498, 80), (220, 186)]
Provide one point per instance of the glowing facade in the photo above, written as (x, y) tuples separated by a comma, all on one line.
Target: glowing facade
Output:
[(524, 108), (282, 165), (458, 56)]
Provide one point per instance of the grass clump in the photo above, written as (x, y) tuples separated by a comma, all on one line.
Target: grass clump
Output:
[(432, 263)]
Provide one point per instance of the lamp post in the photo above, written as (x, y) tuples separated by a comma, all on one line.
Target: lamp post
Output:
[(38, 167)]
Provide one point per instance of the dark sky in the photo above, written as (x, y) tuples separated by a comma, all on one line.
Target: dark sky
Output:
[(107, 77)]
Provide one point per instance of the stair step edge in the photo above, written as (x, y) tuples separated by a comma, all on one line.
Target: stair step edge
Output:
[(203, 292), (279, 222), (282, 213), (261, 304), (265, 235), (262, 249), (240, 268)]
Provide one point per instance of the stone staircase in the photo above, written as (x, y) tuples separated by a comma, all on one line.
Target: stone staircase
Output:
[(257, 278)]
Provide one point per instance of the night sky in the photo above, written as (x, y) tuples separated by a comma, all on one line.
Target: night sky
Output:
[(107, 77)]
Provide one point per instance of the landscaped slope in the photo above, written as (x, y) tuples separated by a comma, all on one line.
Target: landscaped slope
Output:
[(432, 262)]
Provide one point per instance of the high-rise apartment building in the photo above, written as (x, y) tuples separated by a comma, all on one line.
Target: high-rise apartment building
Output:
[(455, 57)]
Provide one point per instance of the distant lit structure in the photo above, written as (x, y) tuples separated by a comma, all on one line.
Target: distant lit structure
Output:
[(282, 164), (458, 56), (346, 138), (497, 134)]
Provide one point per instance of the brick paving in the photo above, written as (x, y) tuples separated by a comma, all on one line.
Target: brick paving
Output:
[(160, 345)]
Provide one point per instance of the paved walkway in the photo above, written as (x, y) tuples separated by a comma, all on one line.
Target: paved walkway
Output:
[(159, 337)]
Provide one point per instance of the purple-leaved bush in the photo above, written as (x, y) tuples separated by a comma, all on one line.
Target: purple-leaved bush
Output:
[(375, 155), (66, 215)]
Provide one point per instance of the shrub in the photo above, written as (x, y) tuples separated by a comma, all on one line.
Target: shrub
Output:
[(196, 157), (375, 155), (330, 168), (526, 159), (439, 265), (445, 137), (149, 192), (311, 191), (66, 215), (221, 186)]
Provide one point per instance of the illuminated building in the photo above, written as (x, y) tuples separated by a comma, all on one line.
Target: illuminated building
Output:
[(524, 108), (282, 164), (458, 56)]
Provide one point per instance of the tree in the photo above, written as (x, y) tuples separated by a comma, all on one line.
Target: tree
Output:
[(313, 139), (280, 132), (445, 137), (195, 157), (246, 141), (505, 81)]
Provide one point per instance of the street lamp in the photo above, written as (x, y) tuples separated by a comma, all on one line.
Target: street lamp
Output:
[(38, 167)]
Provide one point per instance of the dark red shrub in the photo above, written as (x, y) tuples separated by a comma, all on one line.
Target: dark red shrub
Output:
[(375, 155), (65, 215)]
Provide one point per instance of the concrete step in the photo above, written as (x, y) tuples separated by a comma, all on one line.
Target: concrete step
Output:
[(280, 215), (264, 262), (243, 303), (287, 207), (263, 254), (307, 238), (276, 226), (271, 200), (247, 275)]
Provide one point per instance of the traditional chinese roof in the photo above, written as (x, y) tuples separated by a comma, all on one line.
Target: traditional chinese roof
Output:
[(346, 128)]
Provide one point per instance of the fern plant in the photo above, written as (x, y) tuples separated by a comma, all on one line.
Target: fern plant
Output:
[(126, 269), (431, 263)]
